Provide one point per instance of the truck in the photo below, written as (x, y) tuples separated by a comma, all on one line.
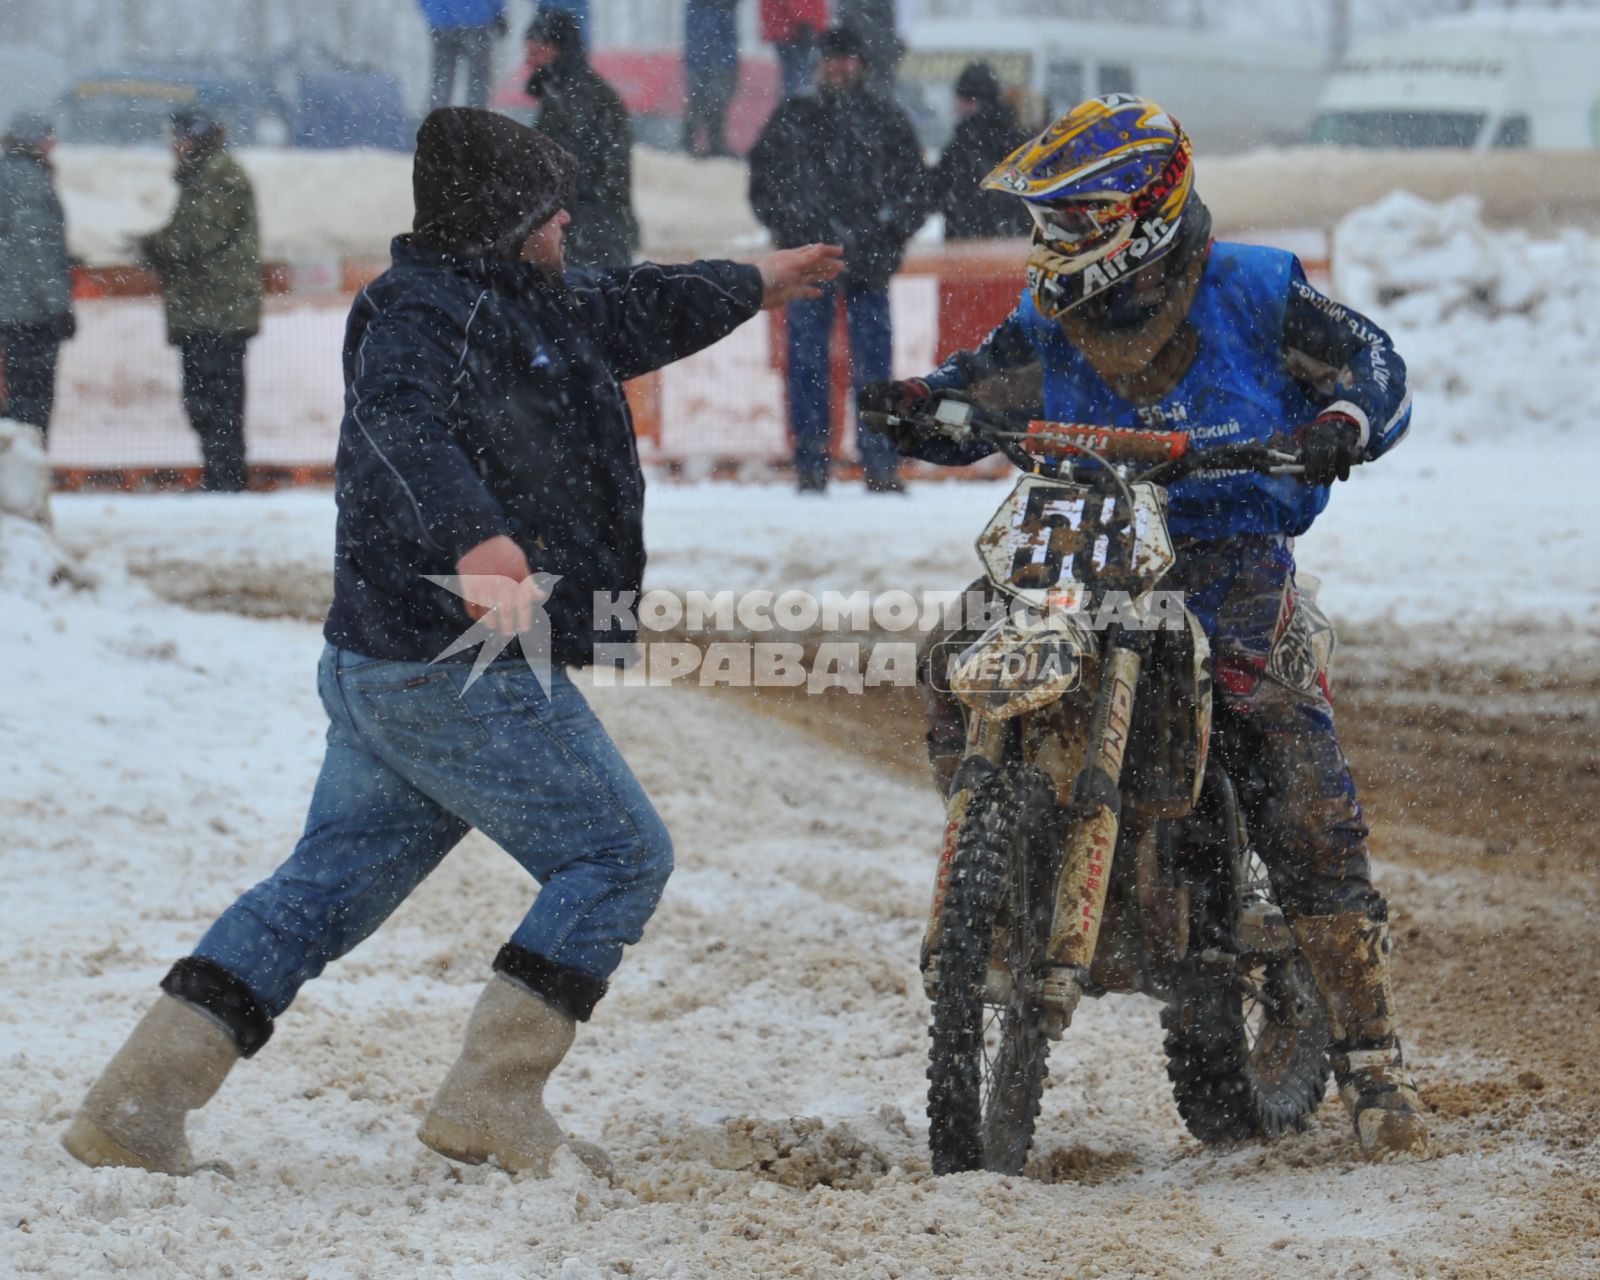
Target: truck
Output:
[(1476, 81)]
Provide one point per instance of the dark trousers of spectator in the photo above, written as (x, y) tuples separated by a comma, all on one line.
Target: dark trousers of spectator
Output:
[(30, 362), (795, 60), (213, 399), (469, 46), (810, 384)]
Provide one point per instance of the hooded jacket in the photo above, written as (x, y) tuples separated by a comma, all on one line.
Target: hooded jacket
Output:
[(484, 398)]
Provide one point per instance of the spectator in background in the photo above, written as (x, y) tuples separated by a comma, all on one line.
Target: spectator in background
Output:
[(582, 113), (579, 9), (873, 21), (986, 132), (842, 166), (711, 68), (791, 27), (462, 32), (209, 260), (35, 272)]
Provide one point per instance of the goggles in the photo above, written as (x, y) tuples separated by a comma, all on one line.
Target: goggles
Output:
[(1076, 226)]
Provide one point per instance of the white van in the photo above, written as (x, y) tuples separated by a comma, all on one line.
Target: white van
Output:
[(1478, 81), (1231, 92)]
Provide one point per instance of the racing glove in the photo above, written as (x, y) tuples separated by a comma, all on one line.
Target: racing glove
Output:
[(1329, 446), (911, 396)]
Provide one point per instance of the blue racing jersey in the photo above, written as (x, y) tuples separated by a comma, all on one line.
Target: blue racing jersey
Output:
[(1273, 353)]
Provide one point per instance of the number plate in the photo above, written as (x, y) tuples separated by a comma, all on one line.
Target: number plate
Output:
[(1052, 543)]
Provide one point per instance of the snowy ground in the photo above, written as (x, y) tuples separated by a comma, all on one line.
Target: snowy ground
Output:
[(757, 1071)]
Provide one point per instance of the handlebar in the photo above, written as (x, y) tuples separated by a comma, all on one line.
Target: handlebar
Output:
[(1055, 444)]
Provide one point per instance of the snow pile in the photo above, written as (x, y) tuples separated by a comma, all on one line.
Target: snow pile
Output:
[(30, 561), (319, 206), (313, 205), (1497, 328)]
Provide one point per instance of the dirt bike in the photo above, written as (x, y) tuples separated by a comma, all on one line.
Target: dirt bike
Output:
[(1097, 838)]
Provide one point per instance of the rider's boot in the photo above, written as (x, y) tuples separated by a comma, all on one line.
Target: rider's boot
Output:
[(1349, 957), (491, 1104), (175, 1060)]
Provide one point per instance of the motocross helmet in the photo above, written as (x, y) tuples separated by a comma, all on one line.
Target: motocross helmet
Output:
[(1110, 186)]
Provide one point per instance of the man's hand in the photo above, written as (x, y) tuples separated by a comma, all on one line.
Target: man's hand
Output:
[(1329, 447), (791, 274), (505, 592)]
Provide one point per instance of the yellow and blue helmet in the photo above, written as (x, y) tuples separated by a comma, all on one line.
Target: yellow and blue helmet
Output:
[(1108, 185)]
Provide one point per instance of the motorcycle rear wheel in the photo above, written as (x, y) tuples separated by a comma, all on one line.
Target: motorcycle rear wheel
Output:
[(986, 1067)]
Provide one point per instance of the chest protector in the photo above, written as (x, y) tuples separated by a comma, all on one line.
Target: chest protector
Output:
[(1235, 390)]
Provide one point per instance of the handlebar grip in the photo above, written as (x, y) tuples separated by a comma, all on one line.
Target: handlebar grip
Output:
[(1115, 444)]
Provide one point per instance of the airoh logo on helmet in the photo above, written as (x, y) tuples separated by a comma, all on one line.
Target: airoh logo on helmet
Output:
[(1158, 234)]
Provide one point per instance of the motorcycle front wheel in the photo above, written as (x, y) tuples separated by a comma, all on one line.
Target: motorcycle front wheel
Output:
[(986, 1068)]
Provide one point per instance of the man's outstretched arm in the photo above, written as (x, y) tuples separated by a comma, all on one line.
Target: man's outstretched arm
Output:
[(649, 315)]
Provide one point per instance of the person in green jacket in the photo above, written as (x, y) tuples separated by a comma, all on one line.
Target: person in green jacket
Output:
[(209, 260)]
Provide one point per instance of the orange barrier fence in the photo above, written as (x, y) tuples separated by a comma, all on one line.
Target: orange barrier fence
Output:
[(119, 421)]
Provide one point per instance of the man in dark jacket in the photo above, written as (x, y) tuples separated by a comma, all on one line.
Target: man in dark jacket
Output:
[(209, 259), (986, 132), (35, 274), (486, 452), (582, 114), (844, 165)]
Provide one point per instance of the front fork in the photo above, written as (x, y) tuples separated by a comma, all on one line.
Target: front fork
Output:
[(1096, 809), (1095, 819)]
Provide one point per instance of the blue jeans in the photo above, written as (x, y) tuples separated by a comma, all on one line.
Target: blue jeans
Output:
[(413, 763), (810, 411)]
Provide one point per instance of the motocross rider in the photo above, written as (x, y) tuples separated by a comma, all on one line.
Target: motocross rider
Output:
[(1135, 317)]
